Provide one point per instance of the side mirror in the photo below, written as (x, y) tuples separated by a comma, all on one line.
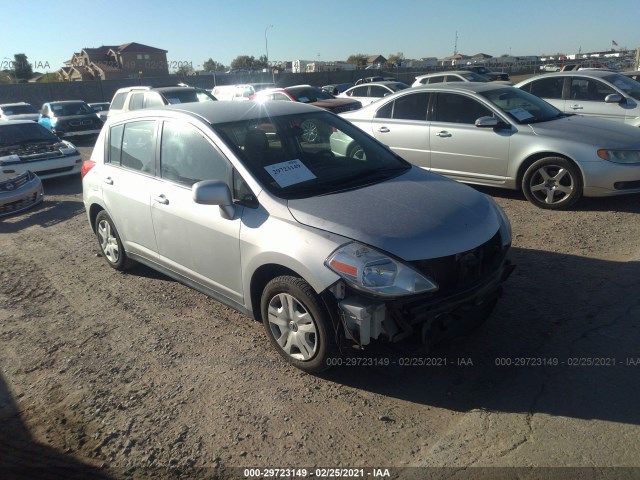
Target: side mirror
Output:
[(487, 122), (614, 98), (214, 192)]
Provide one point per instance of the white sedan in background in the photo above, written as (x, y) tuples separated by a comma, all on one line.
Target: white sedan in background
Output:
[(370, 92)]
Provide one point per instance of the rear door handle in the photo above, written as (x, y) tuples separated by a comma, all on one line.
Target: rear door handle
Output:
[(576, 107), (161, 199), (443, 133), (384, 130), (108, 181)]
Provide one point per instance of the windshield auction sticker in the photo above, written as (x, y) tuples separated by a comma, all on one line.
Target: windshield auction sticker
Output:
[(289, 173), (521, 114)]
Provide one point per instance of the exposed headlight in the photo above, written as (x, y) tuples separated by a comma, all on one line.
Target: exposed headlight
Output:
[(69, 148), (620, 156), (367, 269)]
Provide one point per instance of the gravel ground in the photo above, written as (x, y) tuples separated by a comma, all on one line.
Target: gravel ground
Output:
[(111, 375)]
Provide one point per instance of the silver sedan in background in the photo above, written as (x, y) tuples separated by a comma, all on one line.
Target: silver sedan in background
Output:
[(500, 136)]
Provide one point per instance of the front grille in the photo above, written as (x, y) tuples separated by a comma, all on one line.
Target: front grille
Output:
[(14, 183), (18, 205), (465, 269), (79, 125)]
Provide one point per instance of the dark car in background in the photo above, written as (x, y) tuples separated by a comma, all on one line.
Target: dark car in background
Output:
[(70, 118), (336, 88), (311, 96), (487, 72)]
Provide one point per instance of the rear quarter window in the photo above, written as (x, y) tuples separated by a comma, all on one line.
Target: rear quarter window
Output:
[(118, 101)]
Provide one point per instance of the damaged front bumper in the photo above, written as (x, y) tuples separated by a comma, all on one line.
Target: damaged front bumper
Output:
[(427, 317)]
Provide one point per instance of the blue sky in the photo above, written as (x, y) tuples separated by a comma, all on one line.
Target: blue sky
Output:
[(48, 32)]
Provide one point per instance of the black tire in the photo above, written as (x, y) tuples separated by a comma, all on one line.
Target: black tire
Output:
[(294, 314), (110, 243), (553, 183)]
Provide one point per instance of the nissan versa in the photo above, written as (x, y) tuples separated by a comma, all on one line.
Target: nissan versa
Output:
[(329, 252)]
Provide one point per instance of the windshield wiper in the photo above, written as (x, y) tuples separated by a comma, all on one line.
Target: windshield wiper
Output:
[(363, 179)]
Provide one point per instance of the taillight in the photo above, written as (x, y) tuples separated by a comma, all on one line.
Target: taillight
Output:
[(86, 166)]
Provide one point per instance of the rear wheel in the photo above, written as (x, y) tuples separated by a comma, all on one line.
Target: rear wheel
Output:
[(110, 243), (298, 324), (553, 183)]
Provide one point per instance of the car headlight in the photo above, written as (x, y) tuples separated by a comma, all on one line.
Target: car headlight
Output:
[(371, 271), (620, 156)]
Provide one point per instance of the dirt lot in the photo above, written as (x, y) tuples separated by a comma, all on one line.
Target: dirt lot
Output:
[(110, 375)]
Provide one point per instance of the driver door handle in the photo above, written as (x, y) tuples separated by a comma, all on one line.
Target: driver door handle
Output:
[(161, 199), (384, 130), (576, 107), (443, 133)]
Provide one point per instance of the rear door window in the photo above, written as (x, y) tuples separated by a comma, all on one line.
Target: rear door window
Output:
[(407, 107), (132, 145), (546, 88)]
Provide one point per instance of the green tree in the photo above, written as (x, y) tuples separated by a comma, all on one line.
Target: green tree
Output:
[(212, 66), (395, 59), (184, 69), (243, 61), (261, 63), (22, 68), (359, 59)]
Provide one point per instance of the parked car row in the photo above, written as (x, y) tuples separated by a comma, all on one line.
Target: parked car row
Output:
[(341, 252), (28, 152), (502, 136)]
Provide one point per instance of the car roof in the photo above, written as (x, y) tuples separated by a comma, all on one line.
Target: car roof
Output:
[(223, 112), (573, 73), (13, 104), (65, 101), (469, 87), (447, 72), (385, 82)]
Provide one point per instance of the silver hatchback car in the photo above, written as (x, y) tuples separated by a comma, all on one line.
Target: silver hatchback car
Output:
[(328, 251), (500, 136)]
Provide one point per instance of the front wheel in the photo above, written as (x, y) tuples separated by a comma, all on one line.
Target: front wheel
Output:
[(110, 243), (310, 132), (553, 183), (298, 324)]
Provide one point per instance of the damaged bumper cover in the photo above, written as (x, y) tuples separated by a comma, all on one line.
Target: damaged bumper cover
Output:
[(428, 316)]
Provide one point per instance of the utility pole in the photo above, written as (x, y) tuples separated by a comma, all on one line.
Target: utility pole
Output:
[(455, 45)]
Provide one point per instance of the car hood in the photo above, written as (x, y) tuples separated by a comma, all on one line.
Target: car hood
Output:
[(415, 216), (603, 133), (333, 103)]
